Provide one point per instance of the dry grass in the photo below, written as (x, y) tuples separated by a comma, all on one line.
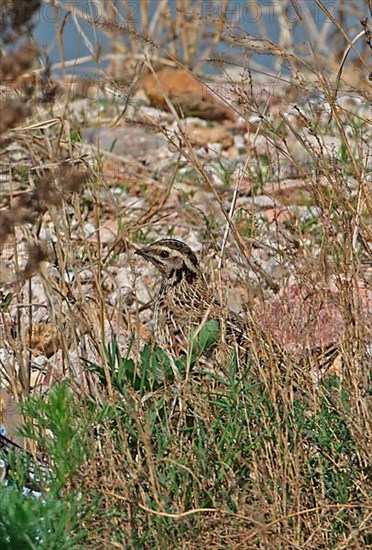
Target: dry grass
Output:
[(271, 453)]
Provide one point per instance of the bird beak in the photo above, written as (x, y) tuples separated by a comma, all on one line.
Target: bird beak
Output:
[(148, 253), (144, 252)]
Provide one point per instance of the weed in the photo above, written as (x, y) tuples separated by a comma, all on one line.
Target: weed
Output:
[(129, 446)]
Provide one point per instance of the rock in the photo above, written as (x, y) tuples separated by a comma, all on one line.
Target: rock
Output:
[(128, 141), (10, 420), (7, 276), (304, 317), (189, 96), (300, 317), (255, 203), (327, 147), (279, 215), (44, 339), (205, 136), (290, 192)]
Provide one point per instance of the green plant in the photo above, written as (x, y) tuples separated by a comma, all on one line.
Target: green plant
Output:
[(75, 136), (156, 368), (53, 424), (53, 516), (153, 370), (48, 522), (5, 301)]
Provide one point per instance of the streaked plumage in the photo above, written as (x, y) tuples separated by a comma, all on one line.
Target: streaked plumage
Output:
[(184, 301)]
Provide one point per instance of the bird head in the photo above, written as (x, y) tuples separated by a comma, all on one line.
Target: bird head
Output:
[(171, 257)]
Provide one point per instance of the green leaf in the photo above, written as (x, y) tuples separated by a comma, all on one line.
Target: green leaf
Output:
[(206, 337), (344, 155), (5, 302)]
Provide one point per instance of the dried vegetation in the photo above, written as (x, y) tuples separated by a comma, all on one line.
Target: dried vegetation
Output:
[(277, 202)]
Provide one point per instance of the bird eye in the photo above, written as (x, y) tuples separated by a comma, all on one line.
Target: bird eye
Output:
[(164, 254)]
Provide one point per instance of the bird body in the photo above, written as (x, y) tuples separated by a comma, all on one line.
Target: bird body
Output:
[(185, 301)]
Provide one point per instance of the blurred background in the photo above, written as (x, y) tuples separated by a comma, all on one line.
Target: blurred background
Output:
[(91, 36)]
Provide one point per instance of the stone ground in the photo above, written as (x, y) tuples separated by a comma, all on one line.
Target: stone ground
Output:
[(256, 148)]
